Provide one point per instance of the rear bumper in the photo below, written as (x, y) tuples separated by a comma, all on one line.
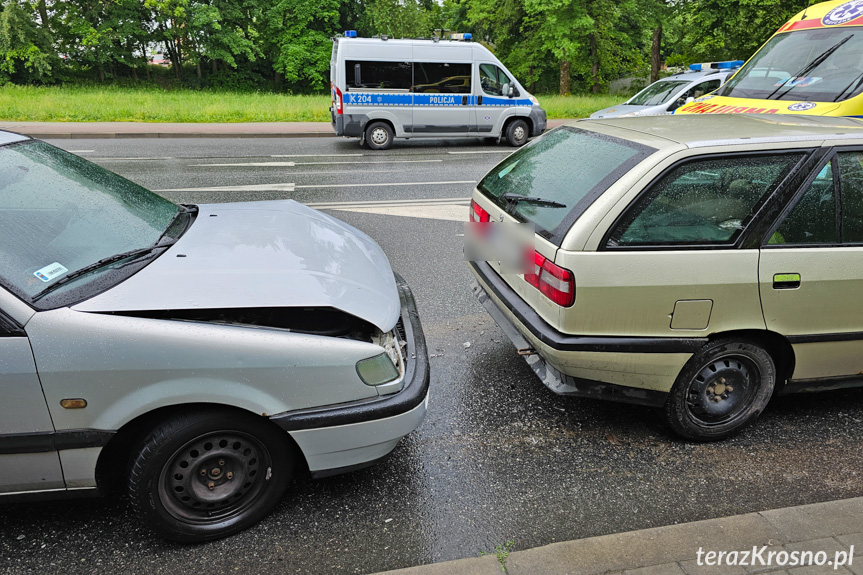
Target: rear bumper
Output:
[(338, 122), (627, 370), (349, 436)]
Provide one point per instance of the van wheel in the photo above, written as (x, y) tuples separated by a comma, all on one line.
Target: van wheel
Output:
[(203, 475), (720, 390), (517, 133), (379, 136)]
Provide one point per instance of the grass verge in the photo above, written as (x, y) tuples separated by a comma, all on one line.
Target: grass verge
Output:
[(116, 104)]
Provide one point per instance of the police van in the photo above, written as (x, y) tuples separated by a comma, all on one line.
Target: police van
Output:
[(385, 88)]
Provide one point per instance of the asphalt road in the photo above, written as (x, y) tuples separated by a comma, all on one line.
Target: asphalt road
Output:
[(499, 458)]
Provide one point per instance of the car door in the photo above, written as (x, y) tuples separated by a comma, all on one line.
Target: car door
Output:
[(28, 460), (811, 273), (676, 255), (442, 93), (491, 101)]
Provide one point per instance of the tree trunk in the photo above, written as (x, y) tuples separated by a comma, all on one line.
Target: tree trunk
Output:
[(101, 73), (654, 54), (43, 14), (215, 64), (198, 68), (594, 68), (564, 77), (278, 79), (135, 74)]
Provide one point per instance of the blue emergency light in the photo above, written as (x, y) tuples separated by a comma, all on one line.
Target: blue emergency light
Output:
[(727, 65), (468, 36), (350, 33)]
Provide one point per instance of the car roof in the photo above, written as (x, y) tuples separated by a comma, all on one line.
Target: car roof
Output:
[(695, 131), (691, 75), (11, 137)]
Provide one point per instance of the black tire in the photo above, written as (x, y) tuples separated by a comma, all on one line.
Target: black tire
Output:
[(721, 389), (517, 133), (379, 136), (204, 475)]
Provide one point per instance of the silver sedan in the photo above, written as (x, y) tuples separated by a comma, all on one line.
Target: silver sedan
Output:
[(192, 355)]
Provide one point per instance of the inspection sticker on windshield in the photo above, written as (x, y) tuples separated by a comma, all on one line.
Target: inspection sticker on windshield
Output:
[(50, 272)]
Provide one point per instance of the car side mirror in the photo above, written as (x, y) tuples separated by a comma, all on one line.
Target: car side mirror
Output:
[(508, 90), (689, 100)]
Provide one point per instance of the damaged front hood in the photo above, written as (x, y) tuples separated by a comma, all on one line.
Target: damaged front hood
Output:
[(263, 254)]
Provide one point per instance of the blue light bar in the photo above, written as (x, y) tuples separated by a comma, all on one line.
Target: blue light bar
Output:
[(350, 33), (695, 67), (730, 64), (468, 36)]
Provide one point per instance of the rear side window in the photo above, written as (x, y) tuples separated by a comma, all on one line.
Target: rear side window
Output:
[(708, 201), (813, 219), (553, 180), (365, 75), (441, 78)]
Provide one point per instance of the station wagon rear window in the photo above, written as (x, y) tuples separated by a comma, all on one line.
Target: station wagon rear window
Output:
[(568, 169)]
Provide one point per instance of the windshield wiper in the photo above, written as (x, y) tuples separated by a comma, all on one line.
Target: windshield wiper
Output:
[(513, 199), (183, 210), (99, 264), (858, 79), (809, 67)]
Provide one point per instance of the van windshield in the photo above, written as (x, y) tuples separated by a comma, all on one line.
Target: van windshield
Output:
[(567, 169), (822, 65)]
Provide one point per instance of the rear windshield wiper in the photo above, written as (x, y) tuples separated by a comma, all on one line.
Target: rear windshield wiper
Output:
[(513, 199), (99, 264)]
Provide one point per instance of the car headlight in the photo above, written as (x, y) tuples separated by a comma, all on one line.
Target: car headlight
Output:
[(533, 100), (377, 370)]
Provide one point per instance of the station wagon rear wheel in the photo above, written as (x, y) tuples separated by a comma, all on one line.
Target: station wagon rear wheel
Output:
[(205, 475), (517, 133), (720, 390), (379, 136)]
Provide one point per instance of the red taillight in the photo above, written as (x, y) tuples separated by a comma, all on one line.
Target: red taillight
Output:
[(554, 282), (337, 98), (477, 214)]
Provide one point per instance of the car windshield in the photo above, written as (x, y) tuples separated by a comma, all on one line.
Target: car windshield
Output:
[(822, 65), (657, 93), (562, 173), (60, 213)]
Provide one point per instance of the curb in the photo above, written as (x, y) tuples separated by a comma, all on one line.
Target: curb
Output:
[(832, 527)]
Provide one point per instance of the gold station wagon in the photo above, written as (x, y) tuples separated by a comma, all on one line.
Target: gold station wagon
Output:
[(700, 264)]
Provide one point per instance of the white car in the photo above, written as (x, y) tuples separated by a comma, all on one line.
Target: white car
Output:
[(194, 354)]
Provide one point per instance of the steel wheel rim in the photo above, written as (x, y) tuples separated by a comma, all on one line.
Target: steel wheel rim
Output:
[(722, 391), (214, 476), (518, 133), (379, 136)]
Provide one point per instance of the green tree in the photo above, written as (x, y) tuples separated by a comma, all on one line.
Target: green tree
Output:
[(399, 18), (299, 33), (27, 53)]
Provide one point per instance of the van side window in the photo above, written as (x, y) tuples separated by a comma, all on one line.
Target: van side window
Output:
[(813, 219), (367, 75), (703, 202), (492, 79), (441, 78), (851, 186)]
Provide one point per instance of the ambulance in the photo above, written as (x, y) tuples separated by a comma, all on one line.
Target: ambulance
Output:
[(812, 65), (384, 88)]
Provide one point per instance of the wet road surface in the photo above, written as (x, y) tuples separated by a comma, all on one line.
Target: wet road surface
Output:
[(499, 458)]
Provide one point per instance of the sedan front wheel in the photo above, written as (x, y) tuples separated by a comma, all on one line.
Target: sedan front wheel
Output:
[(207, 474)]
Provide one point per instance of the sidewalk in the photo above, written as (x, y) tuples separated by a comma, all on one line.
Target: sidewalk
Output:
[(832, 527), (79, 130)]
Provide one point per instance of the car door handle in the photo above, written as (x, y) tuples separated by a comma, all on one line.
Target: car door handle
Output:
[(464, 100), (786, 281), (479, 100)]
